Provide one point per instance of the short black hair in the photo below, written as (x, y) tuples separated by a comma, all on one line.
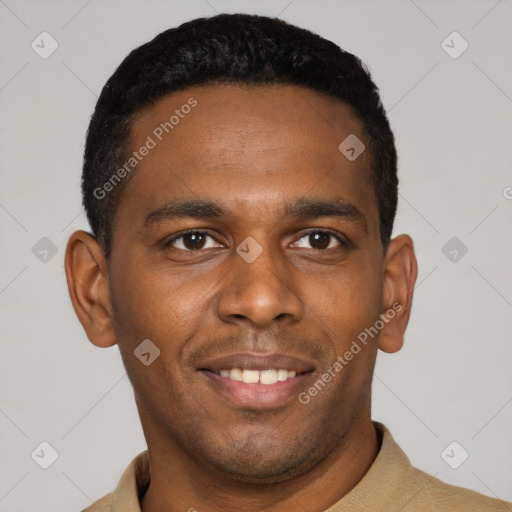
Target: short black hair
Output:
[(233, 49)]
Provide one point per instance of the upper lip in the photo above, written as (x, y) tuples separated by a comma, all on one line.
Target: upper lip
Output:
[(255, 361)]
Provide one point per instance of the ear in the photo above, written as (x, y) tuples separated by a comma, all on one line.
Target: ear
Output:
[(88, 285), (400, 272)]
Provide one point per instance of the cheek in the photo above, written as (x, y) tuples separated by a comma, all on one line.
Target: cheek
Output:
[(346, 303), (166, 312), (160, 305), (166, 306)]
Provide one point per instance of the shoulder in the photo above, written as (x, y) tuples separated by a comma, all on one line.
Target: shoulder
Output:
[(434, 494), (133, 483), (102, 505), (416, 491)]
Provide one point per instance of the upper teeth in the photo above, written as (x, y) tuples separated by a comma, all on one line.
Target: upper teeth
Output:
[(256, 376)]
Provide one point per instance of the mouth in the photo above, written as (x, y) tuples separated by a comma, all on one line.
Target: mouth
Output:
[(257, 381), (265, 377)]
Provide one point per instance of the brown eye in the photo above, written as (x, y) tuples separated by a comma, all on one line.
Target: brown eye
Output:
[(320, 240), (192, 241)]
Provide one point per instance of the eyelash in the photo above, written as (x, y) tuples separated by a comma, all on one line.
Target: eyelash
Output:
[(345, 244)]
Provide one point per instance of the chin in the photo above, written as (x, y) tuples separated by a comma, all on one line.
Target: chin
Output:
[(265, 463)]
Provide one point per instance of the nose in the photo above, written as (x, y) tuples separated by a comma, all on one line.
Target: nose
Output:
[(260, 292)]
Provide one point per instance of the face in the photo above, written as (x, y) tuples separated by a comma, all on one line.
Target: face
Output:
[(244, 242)]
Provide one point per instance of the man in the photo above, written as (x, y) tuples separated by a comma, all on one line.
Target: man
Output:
[(240, 182)]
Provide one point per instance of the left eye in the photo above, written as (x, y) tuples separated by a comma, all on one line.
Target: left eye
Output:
[(193, 241), (320, 240)]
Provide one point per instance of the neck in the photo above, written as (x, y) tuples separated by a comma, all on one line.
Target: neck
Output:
[(174, 487)]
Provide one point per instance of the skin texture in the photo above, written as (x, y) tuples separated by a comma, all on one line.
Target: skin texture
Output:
[(252, 150)]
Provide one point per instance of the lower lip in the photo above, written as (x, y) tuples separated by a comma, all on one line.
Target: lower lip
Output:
[(258, 396)]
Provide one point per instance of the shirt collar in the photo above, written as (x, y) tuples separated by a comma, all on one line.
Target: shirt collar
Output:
[(132, 486)]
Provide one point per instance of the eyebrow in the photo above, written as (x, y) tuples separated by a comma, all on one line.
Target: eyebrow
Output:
[(301, 209)]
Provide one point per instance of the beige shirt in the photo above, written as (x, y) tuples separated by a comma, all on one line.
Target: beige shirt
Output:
[(391, 484)]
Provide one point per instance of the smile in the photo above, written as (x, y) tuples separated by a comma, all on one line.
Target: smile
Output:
[(251, 380), (266, 377)]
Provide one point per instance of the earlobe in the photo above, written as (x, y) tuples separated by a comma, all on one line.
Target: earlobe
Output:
[(400, 273), (88, 286)]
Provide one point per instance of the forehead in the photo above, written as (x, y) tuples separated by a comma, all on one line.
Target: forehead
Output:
[(258, 146), (231, 118)]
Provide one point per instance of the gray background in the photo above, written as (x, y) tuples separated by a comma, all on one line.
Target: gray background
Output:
[(452, 120)]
